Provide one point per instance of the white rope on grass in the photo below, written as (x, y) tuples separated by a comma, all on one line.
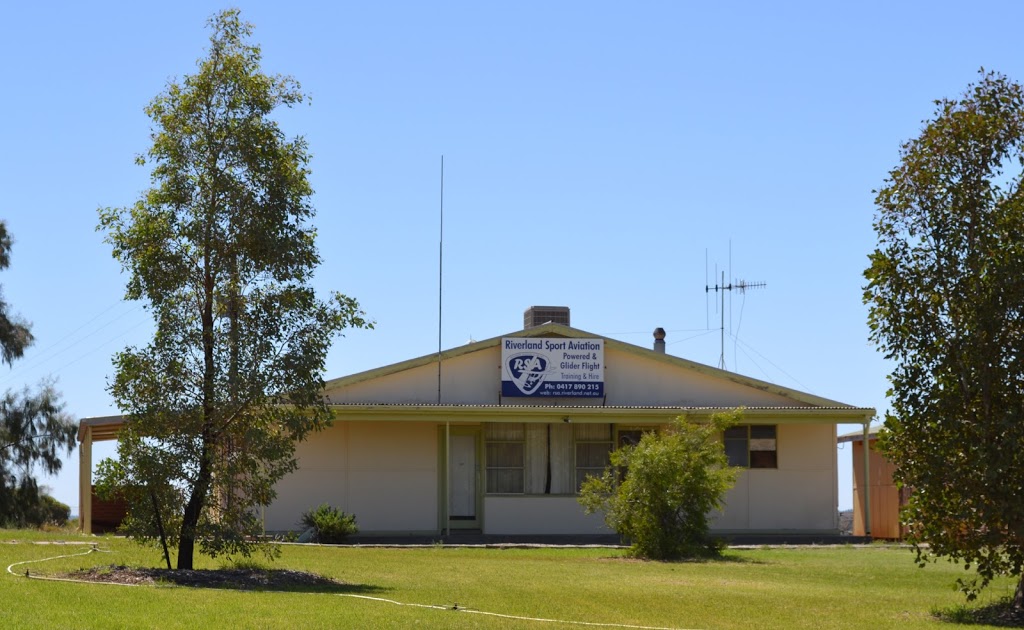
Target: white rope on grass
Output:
[(391, 601), (472, 611), (27, 574)]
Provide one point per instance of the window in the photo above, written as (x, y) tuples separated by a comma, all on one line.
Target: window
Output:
[(549, 459), (593, 445), (505, 446), (630, 435), (751, 446)]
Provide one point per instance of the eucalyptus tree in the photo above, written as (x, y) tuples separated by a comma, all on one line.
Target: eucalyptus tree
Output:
[(946, 297), (34, 429), (222, 252)]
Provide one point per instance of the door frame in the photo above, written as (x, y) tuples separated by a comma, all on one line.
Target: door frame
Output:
[(444, 434)]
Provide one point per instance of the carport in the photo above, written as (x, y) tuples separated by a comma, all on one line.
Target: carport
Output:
[(91, 430)]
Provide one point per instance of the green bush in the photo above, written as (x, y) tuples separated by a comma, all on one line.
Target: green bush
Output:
[(29, 508), (330, 525), (50, 511), (658, 494)]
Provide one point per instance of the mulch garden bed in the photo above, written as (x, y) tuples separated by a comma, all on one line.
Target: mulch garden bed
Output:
[(241, 579)]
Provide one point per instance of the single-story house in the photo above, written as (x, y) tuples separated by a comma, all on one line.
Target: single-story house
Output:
[(496, 436)]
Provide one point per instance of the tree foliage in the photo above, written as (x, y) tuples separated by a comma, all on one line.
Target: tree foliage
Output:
[(222, 251), (946, 296), (659, 494), (34, 430), (34, 433)]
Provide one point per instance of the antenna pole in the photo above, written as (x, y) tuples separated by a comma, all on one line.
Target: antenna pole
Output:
[(447, 422), (707, 322), (440, 281), (735, 285), (721, 357)]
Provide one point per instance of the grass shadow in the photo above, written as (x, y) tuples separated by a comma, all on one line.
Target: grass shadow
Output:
[(732, 558), (1000, 613), (725, 558)]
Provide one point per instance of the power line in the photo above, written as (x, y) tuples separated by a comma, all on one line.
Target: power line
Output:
[(59, 348), (754, 350), (701, 334), (756, 364), (108, 341)]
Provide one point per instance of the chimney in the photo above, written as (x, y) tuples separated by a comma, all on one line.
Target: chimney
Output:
[(540, 315), (659, 340)]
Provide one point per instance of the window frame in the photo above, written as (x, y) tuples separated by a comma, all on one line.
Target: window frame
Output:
[(591, 470), (750, 436), (490, 467), (638, 430)]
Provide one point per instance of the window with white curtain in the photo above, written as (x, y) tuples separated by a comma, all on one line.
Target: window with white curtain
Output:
[(505, 449)]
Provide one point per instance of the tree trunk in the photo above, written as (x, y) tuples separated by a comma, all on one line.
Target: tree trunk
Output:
[(227, 484), (1018, 597), (197, 500), (160, 528), (193, 510)]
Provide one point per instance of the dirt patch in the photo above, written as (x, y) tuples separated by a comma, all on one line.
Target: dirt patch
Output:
[(239, 579)]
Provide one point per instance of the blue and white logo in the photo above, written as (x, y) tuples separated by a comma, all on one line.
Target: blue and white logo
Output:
[(527, 371)]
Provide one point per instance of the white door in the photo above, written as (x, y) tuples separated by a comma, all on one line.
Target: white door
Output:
[(462, 471)]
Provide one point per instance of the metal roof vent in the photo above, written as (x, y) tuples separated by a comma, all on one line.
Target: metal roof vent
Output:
[(659, 340), (540, 315)]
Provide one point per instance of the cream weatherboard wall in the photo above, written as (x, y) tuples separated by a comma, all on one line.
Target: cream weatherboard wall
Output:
[(468, 379), (384, 472), (799, 495), (383, 460)]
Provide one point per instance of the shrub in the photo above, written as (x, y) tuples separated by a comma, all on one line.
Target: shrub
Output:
[(37, 511), (330, 525), (50, 511), (658, 494)]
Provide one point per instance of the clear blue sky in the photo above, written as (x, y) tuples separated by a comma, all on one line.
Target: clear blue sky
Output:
[(594, 151)]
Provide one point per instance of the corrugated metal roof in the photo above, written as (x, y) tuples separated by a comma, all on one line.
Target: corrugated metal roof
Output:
[(858, 436)]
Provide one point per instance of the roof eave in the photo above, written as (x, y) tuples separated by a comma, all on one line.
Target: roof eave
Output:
[(513, 413), (103, 427)]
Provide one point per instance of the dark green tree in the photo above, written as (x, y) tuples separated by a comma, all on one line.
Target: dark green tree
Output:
[(222, 251), (34, 429), (946, 297), (660, 493)]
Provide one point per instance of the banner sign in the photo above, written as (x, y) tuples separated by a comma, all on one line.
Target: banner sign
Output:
[(549, 367)]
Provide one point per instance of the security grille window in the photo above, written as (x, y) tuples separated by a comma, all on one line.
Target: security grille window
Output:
[(751, 446), (594, 443), (505, 447)]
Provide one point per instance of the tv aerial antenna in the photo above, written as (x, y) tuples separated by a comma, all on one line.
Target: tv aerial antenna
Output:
[(742, 286)]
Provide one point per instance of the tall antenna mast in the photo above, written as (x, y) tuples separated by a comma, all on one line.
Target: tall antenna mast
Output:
[(735, 285), (440, 280), (447, 421)]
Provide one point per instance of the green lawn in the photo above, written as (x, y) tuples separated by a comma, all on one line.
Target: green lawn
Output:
[(874, 587)]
